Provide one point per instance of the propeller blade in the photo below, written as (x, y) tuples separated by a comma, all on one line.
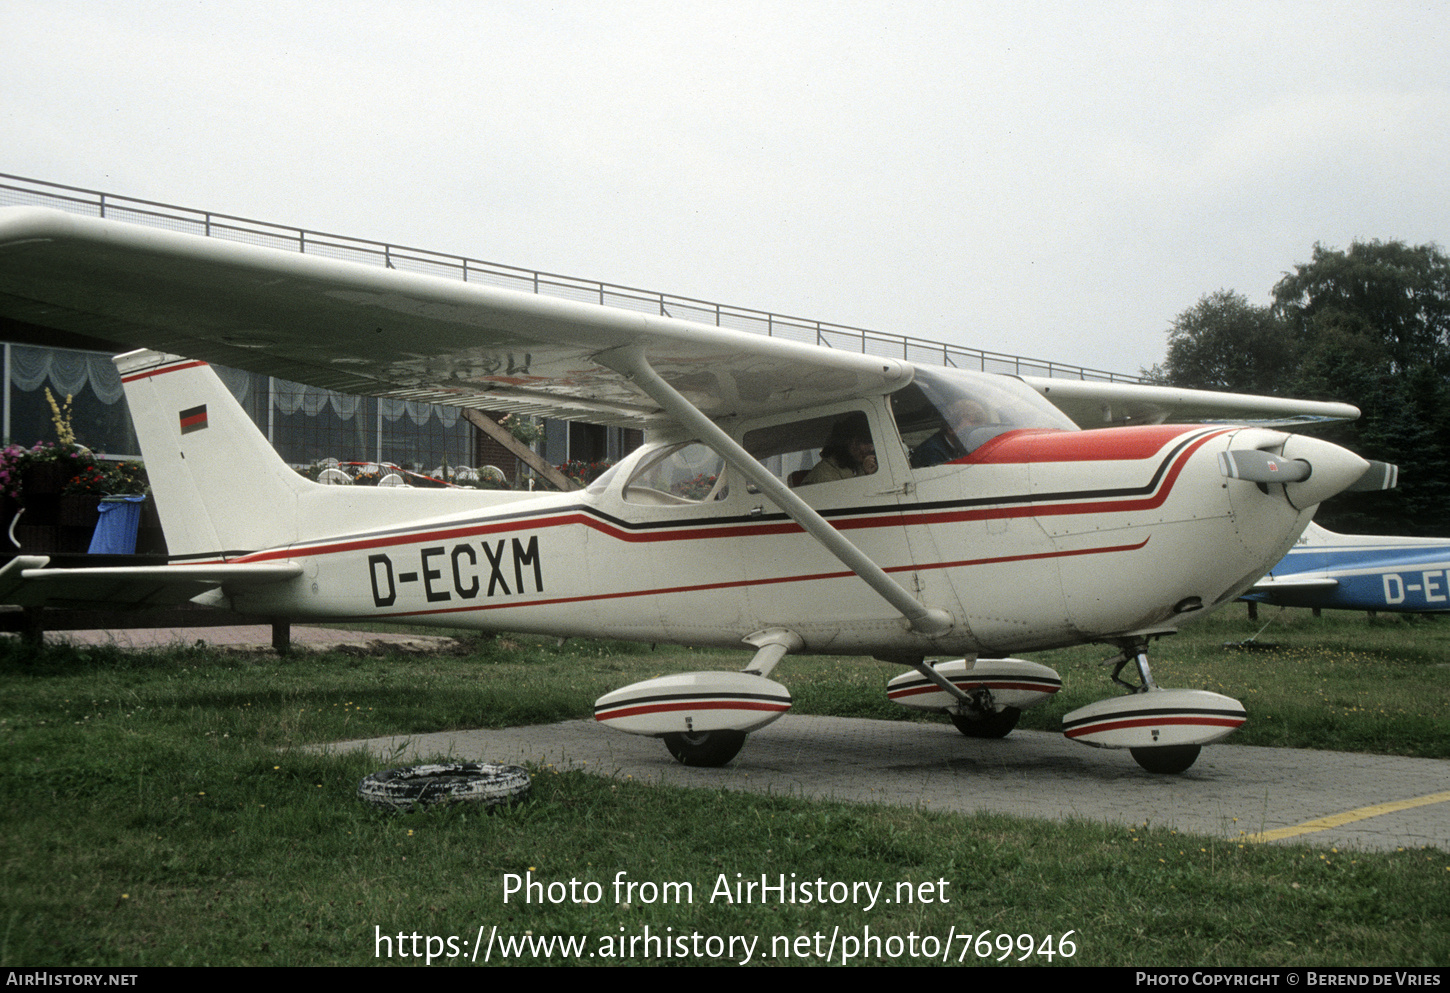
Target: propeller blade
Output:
[(1262, 467), (1379, 476)]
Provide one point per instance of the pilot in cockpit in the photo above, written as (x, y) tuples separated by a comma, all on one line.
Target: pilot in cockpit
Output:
[(951, 440)]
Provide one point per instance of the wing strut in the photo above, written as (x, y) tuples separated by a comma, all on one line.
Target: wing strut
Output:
[(631, 363)]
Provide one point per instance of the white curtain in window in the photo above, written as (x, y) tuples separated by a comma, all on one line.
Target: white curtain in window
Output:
[(66, 372)]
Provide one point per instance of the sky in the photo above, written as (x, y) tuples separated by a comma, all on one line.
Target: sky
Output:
[(1057, 180)]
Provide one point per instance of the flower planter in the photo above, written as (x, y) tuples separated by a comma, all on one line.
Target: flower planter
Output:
[(42, 479), (78, 510)]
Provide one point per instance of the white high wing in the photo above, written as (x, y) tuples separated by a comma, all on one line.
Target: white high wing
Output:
[(986, 523)]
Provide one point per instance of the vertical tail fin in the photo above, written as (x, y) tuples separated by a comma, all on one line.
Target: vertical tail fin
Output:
[(220, 487)]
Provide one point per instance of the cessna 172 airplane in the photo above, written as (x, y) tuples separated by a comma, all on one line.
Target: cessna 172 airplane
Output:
[(1360, 572), (964, 516)]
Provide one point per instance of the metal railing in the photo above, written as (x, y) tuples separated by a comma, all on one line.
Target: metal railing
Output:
[(15, 190)]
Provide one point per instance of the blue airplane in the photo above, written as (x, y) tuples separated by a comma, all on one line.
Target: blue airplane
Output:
[(1360, 572)]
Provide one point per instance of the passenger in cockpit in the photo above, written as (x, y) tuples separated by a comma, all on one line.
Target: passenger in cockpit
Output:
[(950, 442), (848, 452)]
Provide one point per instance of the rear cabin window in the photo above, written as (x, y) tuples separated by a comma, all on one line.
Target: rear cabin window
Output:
[(678, 474)]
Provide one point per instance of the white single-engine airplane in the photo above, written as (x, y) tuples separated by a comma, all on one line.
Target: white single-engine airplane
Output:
[(963, 514), (1360, 572)]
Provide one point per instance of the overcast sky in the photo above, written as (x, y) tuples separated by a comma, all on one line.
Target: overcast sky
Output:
[(1057, 180)]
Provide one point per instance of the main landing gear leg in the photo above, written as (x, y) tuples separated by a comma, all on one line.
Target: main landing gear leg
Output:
[(1164, 759), (716, 748), (975, 715)]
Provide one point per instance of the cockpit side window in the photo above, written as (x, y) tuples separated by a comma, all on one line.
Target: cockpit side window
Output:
[(819, 450), (942, 417)]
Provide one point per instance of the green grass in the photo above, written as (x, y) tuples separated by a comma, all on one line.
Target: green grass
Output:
[(1339, 681), (158, 811)]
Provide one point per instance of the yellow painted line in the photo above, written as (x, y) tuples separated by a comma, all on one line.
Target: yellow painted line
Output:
[(1348, 817)]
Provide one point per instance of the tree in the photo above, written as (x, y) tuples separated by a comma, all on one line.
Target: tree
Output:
[(1226, 343), (1388, 300), (1368, 326), (1404, 421), (1373, 329)]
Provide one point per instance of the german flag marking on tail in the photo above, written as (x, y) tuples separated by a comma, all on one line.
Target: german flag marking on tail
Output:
[(193, 419)]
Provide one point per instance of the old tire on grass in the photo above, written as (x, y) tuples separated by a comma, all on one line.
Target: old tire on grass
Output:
[(1167, 760), (997, 725), (708, 748), (484, 783)]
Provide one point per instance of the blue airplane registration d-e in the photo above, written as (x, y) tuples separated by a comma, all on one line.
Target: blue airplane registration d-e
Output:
[(1360, 572)]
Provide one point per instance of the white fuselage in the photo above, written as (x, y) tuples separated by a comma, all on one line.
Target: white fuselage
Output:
[(1036, 540)]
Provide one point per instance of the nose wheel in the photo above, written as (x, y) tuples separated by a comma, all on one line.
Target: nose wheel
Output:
[(1162, 729), (1162, 760)]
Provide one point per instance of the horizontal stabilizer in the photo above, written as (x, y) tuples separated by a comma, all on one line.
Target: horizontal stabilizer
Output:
[(25, 581), (1304, 582)]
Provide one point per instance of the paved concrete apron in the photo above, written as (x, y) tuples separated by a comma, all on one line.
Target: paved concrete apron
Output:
[(1324, 798)]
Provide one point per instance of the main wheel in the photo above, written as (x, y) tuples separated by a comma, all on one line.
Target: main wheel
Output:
[(708, 748), (1167, 760), (997, 725)]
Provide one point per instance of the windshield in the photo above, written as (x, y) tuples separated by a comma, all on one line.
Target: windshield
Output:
[(944, 415)]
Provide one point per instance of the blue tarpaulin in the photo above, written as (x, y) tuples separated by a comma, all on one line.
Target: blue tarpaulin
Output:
[(116, 530)]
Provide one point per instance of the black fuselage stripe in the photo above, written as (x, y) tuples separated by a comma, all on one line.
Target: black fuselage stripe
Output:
[(1154, 712), (905, 511)]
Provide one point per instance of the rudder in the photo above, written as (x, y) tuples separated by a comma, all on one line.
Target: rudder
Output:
[(220, 487)]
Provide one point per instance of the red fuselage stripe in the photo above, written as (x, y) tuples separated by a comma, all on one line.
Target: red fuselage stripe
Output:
[(161, 371), (1144, 722), (933, 688), (889, 519), (666, 708), (1096, 445), (567, 518)]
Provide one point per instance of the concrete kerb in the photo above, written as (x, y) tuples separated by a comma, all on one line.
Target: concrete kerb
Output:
[(254, 637)]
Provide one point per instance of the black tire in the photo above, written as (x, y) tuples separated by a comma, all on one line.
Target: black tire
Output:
[(997, 725), (708, 748), (427, 785), (1168, 760)]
